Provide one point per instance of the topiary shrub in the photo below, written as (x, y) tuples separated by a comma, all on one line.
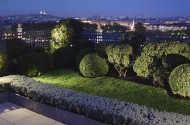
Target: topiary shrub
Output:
[(119, 56), (92, 65), (83, 53), (3, 64), (179, 80), (64, 58), (146, 64), (31, 64)]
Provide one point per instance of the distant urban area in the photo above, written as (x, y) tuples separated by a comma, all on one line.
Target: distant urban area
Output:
[(36, 28)]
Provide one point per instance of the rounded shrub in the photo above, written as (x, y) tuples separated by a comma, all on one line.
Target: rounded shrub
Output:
[(92, 65), (64, 58), (31, 64), (3, 64), (179, 80), (47, 56), (83, 53), (146, 65)]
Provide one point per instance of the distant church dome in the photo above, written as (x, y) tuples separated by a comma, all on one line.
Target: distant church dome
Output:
[(42, 12)]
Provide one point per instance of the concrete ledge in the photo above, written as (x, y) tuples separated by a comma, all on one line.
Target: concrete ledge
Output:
[(46, 110)]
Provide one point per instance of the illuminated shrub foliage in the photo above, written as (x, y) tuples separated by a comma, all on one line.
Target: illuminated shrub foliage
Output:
[(179, 80), (152, 54), (3, 63), (31, 64), (65, 33), (92, 65), (119, 56)]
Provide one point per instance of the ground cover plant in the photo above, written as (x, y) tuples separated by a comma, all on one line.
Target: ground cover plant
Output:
[(124, 90)]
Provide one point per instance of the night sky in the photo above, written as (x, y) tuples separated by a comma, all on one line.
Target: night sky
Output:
[(86, 8)]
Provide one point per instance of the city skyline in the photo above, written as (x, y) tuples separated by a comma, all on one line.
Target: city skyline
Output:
[(86, 8)]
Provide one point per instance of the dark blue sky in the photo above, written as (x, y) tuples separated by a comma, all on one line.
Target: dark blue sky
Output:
[(87, 8)]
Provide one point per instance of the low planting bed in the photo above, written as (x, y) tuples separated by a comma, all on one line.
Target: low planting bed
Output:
[(102, 109)]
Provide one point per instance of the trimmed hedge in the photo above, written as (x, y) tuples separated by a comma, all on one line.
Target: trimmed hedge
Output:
[(92, 65), (179, 80), (31, 64), (146, 64), (102, 109), (3, 63)]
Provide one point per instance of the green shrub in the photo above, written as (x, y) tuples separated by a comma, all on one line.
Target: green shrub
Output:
[(119, 56), (92, 65), (146, 64), (101, 48), (160, 77), (64, 58), (3, 64), (83, 53), (171, 61), (47, 56), (49, 61), (65, 33), (17, 47), (31, 64), (179, 80), (82, 44)]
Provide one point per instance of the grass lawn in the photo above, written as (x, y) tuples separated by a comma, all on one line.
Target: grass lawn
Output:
[(124, 90)]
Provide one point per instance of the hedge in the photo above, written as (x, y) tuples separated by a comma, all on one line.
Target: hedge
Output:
[(147, 63), (102, 109)]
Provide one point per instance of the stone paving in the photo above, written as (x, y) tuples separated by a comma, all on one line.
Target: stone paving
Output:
[(11, 114)]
